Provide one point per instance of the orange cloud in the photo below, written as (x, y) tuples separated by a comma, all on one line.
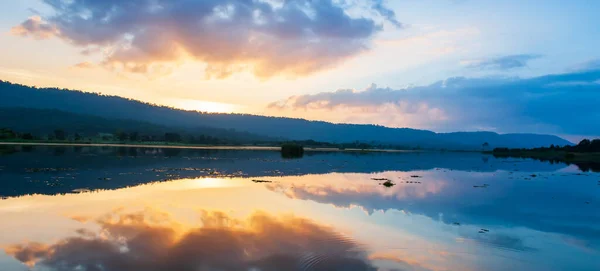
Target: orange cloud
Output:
[(84, 65), (153, 241), (294, 38), (35, 26)]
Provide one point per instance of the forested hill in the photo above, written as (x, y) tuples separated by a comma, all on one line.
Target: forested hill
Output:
[(43, 122), (14, 95)]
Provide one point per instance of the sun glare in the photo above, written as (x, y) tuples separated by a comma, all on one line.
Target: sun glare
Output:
[(205, 106)]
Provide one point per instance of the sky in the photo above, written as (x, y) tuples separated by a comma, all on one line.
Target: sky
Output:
[(512, 66)]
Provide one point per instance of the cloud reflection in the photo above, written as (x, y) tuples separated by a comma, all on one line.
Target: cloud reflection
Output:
[(154, 241), (365, 193)]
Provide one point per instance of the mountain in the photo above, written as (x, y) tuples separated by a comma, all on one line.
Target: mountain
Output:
[(114, 107), (41, 122)]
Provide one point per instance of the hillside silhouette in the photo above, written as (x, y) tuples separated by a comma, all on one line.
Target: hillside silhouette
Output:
[(114, 107), (42, 122)]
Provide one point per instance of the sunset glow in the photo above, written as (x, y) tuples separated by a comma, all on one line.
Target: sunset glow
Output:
[(299, 135), (376, 62), (203, 106)]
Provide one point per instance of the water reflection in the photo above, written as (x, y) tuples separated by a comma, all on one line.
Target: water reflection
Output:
[(55, 170), (252, 210), (154, 241), (554, 202)]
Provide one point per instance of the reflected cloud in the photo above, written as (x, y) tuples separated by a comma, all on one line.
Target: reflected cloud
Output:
[(461, 198), (151, 240), (348, 190), (500, 241), (404, 264)]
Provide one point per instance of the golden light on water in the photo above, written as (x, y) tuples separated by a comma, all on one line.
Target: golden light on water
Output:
[(211, 183)]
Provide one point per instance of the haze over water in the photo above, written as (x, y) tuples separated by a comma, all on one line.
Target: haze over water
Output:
[(93, 208)]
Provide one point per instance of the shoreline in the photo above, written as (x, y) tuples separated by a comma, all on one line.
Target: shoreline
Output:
[(207, 147), (561, 156)]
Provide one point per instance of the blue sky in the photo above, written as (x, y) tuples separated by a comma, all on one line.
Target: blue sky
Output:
[(157, 52)]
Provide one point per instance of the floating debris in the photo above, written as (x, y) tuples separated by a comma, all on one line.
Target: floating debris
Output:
[(485, 230), (388, 183), (380, 179), (262, 181), (105, 179), (456, 224), (48, 169), (481, 186)]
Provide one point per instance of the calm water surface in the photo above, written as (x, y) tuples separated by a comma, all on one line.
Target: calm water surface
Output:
[(117, 209)]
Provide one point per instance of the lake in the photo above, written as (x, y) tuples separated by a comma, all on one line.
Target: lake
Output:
[(114, 209)]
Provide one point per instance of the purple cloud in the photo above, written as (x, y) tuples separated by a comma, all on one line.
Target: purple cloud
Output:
[(559, 104)]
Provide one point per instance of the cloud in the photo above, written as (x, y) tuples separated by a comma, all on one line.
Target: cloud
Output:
[(387, 13), (501, 63), (154, 241), (545, 104), (84, 65), (593, 64), (296, 37), (35, 27)]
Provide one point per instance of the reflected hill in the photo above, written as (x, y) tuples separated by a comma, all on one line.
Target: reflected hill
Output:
[(54, 170)]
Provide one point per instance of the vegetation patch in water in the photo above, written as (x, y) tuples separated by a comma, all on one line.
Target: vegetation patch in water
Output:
[(388, 183), (292, 150), (380, 179), (262, 181)]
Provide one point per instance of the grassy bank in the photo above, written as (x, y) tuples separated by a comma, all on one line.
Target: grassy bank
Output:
[(586, 161), (551, 155), (104, 142), (587, 151)]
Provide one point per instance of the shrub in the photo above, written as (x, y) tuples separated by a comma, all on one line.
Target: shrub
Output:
[(292, 150)]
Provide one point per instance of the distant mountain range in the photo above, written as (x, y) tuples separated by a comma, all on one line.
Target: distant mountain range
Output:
[(114, 108)]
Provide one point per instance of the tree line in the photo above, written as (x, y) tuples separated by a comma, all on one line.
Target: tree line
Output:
[(584, 146), (120, 136), (172, 137)]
